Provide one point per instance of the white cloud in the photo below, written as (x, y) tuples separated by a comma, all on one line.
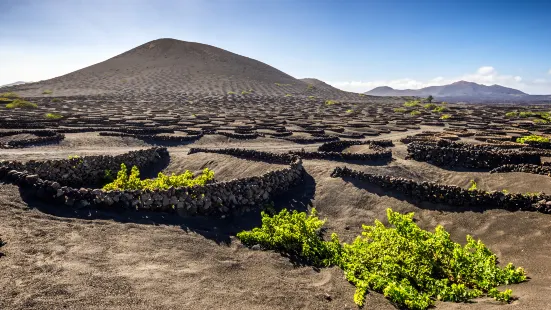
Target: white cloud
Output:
[(486, 75), (549, 72)]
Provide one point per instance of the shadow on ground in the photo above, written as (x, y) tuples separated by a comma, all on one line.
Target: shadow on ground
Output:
[(219, 230), (419, 203)]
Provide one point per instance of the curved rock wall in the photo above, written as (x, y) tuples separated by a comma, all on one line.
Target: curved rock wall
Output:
[(452, 154), (451, 195)]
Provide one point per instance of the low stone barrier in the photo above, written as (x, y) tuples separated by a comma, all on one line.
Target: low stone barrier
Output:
[(86, 170), (241, 136), (153, 138), (304, 140), (450, 194), (220, 198), (269, 157), (42, 136), (339, 146), (527, 168), (453, 154)]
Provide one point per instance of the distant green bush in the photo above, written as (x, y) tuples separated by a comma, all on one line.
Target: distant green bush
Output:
[(53, 116), (231, 93), (311, 97), (533, 138), (445, 116), (415, 112), (399, 110), (5, 100), (412, 103), (22, 104), (288, 95), (9, 95), (280, 84), (47, 92), (439, 109), (430, 98), (331, 102), (511, 114), (429, 106), (245, 92), (349, 111), (56, 100)]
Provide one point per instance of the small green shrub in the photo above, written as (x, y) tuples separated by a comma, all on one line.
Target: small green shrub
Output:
[(533, 138), (410, 266), (245, 92), (399, 110), (361, 95), (430, 98), (349, 111), (310, 87), (5, 100), (473, 186), (280, 84), (429, 106), (47, 92), (331, 102), (412, 103), (439, 109), (311, 97), (53, 116), (56, 100), (9, 95), (133, 181), (415, 112), (511, 114), (445, 116), (288, 95), (231, 93), (22, 104)]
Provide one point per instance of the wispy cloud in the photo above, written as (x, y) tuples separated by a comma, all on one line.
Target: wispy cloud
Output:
[(549, 72), (486, 75)]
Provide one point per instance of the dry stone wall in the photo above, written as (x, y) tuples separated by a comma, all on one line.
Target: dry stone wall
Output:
[(453, 154), (86, 170), (218, 199), (450, 194), (42, 136)]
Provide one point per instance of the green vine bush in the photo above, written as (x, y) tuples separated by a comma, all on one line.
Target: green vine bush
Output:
[(533, 138), (23, 104), (162, 181), (410, 266)]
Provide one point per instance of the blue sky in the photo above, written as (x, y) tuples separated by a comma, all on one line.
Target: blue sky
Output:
[(354, 45)]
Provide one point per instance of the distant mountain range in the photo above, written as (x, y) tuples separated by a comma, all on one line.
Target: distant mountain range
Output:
[(14, 84), (466, 92)]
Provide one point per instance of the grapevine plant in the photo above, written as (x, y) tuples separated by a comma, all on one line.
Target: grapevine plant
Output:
[(412, 267), (162, 181)]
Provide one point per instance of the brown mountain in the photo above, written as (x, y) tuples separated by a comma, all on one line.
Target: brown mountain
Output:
[(168, 65)]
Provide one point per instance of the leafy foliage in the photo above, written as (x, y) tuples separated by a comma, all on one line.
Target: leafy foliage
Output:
[(445, 116), (5, 100), (429, 106), (133, 181), (415, 112), (47, 92), (53, 116), (511, 114), (439, 109), (349, 111), (473, 186), (533, 138), (410, 266), (331, 102), (9, 95), (231, 93), (430, 98), (399, 110), (411, 103), (19, 103), (294, 233)]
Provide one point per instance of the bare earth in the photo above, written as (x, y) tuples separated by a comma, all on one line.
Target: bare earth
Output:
[(59, 258)]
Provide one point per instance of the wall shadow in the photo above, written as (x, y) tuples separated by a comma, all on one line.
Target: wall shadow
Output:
[(217, 229), (380, 191)]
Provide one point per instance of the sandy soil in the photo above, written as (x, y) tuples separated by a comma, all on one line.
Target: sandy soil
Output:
[(60, 258)]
